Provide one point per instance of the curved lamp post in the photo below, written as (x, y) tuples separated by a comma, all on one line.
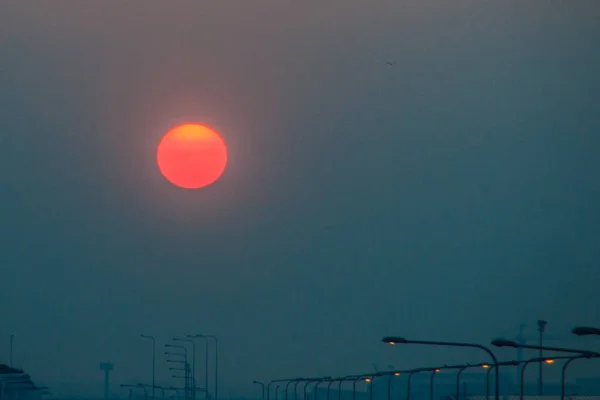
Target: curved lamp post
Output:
[(329, 386), (308, 381), (278, 381), (510, 343), (581, 354), (489, 370), (525, 363), (355, 379), (400, 340), (564, 371), (316, 388), (262, 386), (206, 339)]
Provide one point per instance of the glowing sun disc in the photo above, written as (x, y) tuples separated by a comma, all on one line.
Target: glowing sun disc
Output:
[(191, 156)]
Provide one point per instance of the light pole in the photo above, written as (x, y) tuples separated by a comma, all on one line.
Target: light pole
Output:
[(341, 382), (205, 338), (185, 378), (316, 388), (317, 381), (389, 384), (489, 370), (153, 360), (193, 363), (435, 371), (287, 387), (510, 343), (399, 340), (12, 336), (541, 327), (330, 382), (355, 379), (213, 337), (460, 371), (278, 381), (410, 375), (564, 371), (262, 386), (185, 355), (524, 367)]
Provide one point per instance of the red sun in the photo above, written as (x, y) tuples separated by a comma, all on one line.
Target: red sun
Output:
[(191, 156)]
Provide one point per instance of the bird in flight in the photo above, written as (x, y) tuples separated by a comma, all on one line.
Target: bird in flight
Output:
[(390, 62)]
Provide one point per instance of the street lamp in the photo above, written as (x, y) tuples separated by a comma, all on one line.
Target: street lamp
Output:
[(541, 328), (206, 338), (489, 370), (306, 382), (277, 381), (287, 387), (391, 376), (437, 370), (586, 331), (400, 340), (316, 388), (317, 381), (193, 363), (510, 343), (262, 385), (542, 360), (296, 381), (564, 371), (153, 360), (368, 379), (185, 355), (12, 336), (331, 383)]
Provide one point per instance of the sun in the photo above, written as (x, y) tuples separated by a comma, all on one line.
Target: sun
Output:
[(192, 156)]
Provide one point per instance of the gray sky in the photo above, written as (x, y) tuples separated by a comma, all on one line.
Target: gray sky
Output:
[(453, 195)]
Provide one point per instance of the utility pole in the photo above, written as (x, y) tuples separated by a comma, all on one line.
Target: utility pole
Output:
[(541, 327), (153, 360)]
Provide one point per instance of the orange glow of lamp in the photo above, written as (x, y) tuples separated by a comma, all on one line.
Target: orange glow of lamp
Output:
[(192, 156)]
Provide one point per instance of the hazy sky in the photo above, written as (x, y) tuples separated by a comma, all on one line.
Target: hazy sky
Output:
[(453, 195)]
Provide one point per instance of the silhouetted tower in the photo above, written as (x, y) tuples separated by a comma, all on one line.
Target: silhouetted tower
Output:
[(106, 367)]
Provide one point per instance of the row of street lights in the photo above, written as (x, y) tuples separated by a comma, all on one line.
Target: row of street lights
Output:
[(495, 366), (189, 373)]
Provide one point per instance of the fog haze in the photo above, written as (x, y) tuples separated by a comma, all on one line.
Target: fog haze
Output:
[(453, 195)]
